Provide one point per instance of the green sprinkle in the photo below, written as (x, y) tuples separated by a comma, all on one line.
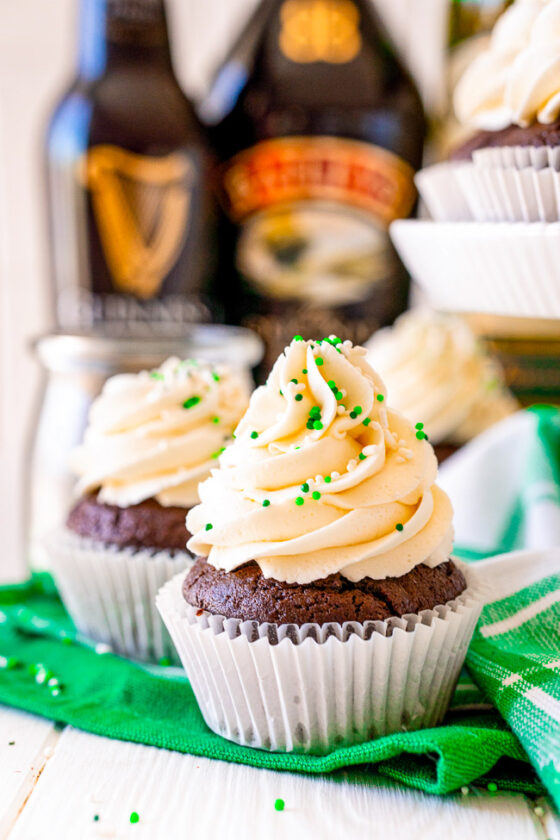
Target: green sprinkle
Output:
[(332, 384), (328, 479), (8, 662), (309, 424), (165, 662), (315, 411), (254, 435), (316, 495), (305, 487), (96, 817), (298, 338), (215, 377), (358, 409), (299, 397), (421, 435), (319, 361), (266, 502), (492, 787), (317, 425), (218, 453), (134, 817), (279, 805), (380, 398), (155, 374), (366, 422), (215, 419), (353, 415), (304, 370), (208, 526), (192, 401), (419, 426), (399, 526), (339, 395), (67, 640), (361, 456), (299, 501), (294, 381)]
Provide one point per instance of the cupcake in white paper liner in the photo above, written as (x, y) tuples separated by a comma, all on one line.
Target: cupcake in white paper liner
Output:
[(323, 607), (314, 688), (151, 438), (441, 192), (436, 370)]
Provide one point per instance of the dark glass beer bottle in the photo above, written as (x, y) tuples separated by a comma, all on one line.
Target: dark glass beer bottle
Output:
[(127, 179), (318, 129)]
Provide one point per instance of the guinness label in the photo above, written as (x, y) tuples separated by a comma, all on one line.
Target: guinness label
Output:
[(141, 206)]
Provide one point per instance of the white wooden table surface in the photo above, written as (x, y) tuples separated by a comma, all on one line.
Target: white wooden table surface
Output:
[(54, 783)]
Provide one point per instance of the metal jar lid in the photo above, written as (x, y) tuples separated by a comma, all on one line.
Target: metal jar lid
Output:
[(106, 355)]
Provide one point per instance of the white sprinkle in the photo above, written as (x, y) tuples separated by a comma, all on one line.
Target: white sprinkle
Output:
[(48, 752), (335, 475), (344, 392), (464, 790), (405, 453), (390, 439), (538, 811), (351, 465), (318, 479), (102, 648), (340, 409)]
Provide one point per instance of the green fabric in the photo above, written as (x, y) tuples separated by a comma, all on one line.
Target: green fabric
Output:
[(107, 695), (515, 657)]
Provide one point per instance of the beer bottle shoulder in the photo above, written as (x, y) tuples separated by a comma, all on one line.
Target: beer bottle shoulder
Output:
[(144, 112)]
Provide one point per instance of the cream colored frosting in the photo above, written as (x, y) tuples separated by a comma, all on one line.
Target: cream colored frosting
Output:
[(157, 434), (517, 79), (380, 475), (436, 372)]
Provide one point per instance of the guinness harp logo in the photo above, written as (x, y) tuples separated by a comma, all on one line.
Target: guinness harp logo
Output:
[(141, 205)]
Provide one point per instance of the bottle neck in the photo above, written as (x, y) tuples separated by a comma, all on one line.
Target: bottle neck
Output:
[(114, 33)]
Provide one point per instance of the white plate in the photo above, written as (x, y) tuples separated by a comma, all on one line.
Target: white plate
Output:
[(502, 268)]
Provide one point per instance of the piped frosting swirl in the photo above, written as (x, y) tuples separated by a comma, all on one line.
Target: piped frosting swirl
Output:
[(436, 370), (516, 80), (323, 477), (157, 434)]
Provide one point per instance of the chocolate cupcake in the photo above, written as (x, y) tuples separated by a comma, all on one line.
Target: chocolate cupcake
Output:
[(437, 373), (152, 437), (323, 608)]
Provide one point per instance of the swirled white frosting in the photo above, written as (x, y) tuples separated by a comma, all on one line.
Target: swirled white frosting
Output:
[(157, 434), (323, 477), (437, 372), (517, 79)]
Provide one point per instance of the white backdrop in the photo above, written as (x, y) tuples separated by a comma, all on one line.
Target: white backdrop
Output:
[(37, 52)]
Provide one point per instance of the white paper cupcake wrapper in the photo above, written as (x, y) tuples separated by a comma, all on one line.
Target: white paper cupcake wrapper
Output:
[(110, 592), (519, 157), (500, 268), (441, 192), (315, 688)]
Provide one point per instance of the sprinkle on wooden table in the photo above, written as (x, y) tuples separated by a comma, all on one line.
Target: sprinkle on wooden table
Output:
[(279, 805)]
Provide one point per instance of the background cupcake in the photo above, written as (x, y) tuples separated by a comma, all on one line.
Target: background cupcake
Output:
[(437, 372), (152, 437), (324, 608)]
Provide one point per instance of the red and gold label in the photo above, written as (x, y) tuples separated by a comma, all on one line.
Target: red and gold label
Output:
[(294, 169), (141, 206)]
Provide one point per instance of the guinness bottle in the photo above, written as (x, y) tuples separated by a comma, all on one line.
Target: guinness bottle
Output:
[(318, 129), (127, 179)]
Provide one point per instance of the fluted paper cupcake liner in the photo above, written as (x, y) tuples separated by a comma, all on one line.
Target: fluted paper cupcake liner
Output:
[(110, 592), (441, 192), (502, 268), (519, 157), (455, 192), (314, 688)]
